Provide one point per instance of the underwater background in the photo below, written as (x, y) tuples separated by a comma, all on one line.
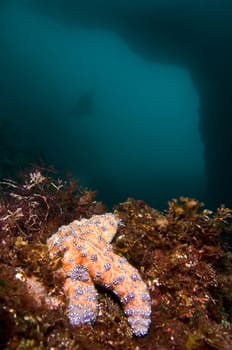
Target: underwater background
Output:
[(128, 107), (136, 132)]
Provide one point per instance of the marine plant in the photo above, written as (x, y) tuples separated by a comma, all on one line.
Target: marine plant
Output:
[(181, 253)]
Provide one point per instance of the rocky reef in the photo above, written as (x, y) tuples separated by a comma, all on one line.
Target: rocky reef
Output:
[(182, 254)]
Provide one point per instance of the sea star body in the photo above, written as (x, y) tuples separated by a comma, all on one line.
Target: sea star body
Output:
[(87, 258)]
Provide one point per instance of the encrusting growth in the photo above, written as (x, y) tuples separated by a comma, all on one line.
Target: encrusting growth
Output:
[(87, 258)]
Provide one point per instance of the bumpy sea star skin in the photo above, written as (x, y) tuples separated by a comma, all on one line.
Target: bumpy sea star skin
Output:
[(87, 258)]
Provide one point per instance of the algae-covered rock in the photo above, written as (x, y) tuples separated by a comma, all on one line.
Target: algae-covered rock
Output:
[(180, 253)]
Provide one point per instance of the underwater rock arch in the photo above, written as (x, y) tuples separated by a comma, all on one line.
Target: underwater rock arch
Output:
[(193, 34)]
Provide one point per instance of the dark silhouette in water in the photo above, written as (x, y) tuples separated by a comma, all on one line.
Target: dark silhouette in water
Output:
[(194, 34)]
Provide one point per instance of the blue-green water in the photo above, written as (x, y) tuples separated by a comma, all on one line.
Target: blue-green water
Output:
[(138, 134)]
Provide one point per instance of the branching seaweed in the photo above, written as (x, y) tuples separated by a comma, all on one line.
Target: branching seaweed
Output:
[(179, 252)]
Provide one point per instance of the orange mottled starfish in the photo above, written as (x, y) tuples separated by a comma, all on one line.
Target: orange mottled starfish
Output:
[(87, 258)]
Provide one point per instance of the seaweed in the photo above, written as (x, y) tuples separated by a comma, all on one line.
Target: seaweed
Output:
[(181, 254)]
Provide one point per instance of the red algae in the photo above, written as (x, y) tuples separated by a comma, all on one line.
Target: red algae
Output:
[(180, 254)]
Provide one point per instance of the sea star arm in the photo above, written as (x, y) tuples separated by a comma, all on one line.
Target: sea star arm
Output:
[(82, 298), (117, 274), (80, 289)]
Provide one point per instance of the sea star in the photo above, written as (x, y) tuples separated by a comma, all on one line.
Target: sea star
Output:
[(87, 258)]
